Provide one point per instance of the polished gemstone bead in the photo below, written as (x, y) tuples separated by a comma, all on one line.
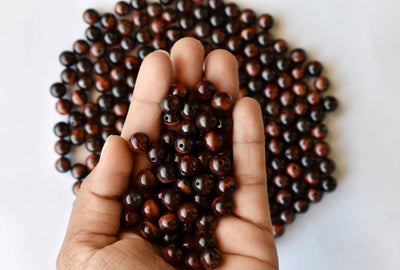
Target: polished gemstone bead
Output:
[(277, 229), (173, 254), (63, 164), (206, 240), (321, 83), (139, 142), (170, 104), (203, 202), (188, 166), (92, 161), (188, 213), (328, 183), (149, 231), (211, 258), (330, 103), (171, 199), (181, 91), (184, 185), (312, 178), (130, 218), (314, 195), (91, 16), (77, 136), (146, 179), (222, 206), (301, 206), (156, 153), (166, 173), (184, 144), (171, 119), (133, 199), (281, 180), (151, 210), (192, 260), (220, 165), (79, 171), (322, 149), (327, 166), (293, 170), (94, 144), (204, 90), (226, 185), (222, 101), (284, 197), (314, 68), (203, 184), (287, 216)]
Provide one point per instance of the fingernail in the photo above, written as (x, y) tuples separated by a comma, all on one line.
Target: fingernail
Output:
[(163, 51)]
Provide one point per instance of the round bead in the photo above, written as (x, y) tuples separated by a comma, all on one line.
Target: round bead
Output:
[(139, 142), (211, 258), (222, 206), (188, 213), (151, 210), (149, 231), (133, 199)]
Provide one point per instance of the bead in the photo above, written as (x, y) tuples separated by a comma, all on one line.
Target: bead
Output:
[(284, 197), (327, 166), (188, 213), (130, 219), (63, 106), (314, 68), (170, 104), (192, 260), (220, 165), (299, 187), (204, 90), (122, 8), (328, 183), (76, 187), (293, 170), (222, 206), (184, 144), (321, 149), (149, 231), (92, 161), (312, 178), (287, 216), (91, 16), (203, 202), (330, 104), (277, 229), (69, 76), (213, 141), (314, 195), (301, 206), (139, 142), (166, 173), (156, 153), (226, 185), (61, 129), (151, 210), (173, 255), (188, 166), (222, 102), (281, 180), (206, 240), (93, 144), (265, 21), (133, 199), (171, 199), (203, 184), (80, 47), (211, 258), (321, 83), (298, 56), (79, 171), (63, 164), (67, 58), (138, 4), (93, 33)]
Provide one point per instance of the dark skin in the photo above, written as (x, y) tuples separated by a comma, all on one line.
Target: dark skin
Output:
[(94, 240)]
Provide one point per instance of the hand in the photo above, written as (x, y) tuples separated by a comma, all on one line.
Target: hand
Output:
[(94, 240)]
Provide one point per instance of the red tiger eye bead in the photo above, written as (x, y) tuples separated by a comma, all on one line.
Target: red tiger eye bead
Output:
[(203, 184), (168, 223), (188, 213), (173, 255), (139, 142), (213, 141), (146, 179), (226, 185), (149, 231), (204, 90), (211, 258), (220, 165), (130, 219), (222, 206), (222, 101)]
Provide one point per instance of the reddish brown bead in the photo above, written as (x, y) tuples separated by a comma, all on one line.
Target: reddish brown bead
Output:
[(79, 171), (92, 161), (146, 179), (166, 173), (77, 136), (220, 165), (287, 216), (173, 255), (314, 195), (298, 56), (277, 229), (156, 153), (226, 185), (91, 16), (204, 90), (171, 199), (206, 222), (188, 213), (222, 101), (322, 149), (211, 258), (139, 142), (213, 141), (301, 206), (222, 206), (265, 21), (281, 180), (76, 187), (293, 170), (63, 164), (149, 231), (284, 197), (321, 83), (192, 260), (168, 223), (130, 218)]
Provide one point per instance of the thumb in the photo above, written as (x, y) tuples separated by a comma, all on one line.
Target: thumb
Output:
[(97, 209)]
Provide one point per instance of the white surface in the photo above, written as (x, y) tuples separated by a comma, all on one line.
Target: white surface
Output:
[(358, 42)]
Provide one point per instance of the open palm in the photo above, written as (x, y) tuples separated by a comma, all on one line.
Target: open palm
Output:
[(94, 239)]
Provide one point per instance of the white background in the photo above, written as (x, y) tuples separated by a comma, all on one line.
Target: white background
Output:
[(356, 227)]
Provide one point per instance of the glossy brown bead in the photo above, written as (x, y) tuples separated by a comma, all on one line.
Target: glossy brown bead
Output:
[(226, 185), (284, 81), (280, 46), (265, 21), (298, 56), (61, 129), (284, 197), (102, 84), (69, 76), (313, 97), (179, 90), (206, 240), (222, 206), (78, 98), (67, 58), (146, 179), (63, 165), (149, 231), (101, 67), (327, 166), (166, 173), (93, 144), (281, 180), (170, 104), (58, 90), (301, 206), (192, 261), (293, 170), (314, 68), (151, 210), (133, 199), (287, 216), (184, 144), (93, 33), (330, 103), (211, 258), (298, 72), (275, 146), (188, 166), (171, 119), (130, 218), (206, 222), (63, 106), (306, 143), (90, 110), (79, 171), (220, 165), (171, 199), (314, 195), (277, 229), (77, 136), (322, 149), (321, 83), (312, 178), (300, 89), (92, 161), (122, 8), (173, 254), (206, 121), (91, 16), (213, 141), (201, 30), (188, 213), (328, 183), (139, 142), (204, 90), (319, 131), (184, 185), (76, 187), (203, 184)]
